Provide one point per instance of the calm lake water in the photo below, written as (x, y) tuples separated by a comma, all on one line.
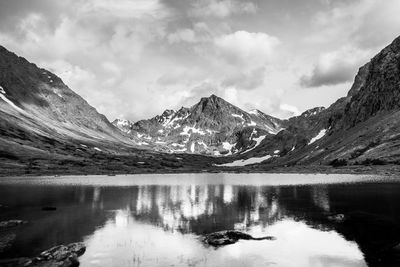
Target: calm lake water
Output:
[(157, 220)]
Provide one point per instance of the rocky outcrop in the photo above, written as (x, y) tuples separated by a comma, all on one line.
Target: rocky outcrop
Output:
[(223, 238), (63, 255)]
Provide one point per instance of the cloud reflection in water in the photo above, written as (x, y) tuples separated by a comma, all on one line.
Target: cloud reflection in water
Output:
[(162, 224)]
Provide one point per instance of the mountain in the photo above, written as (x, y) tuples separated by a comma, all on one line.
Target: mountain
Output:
[(213, 126), (359, 129), (31, 94), (123, 125), (46, 128)]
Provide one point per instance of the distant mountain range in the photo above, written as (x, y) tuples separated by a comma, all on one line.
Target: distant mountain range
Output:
[(45, 127), (212, 126)]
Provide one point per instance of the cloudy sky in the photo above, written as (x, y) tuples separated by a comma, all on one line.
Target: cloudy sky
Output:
[(134, 58)]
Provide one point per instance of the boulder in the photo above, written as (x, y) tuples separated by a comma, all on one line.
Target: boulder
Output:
[(223, 238), (58, 256)]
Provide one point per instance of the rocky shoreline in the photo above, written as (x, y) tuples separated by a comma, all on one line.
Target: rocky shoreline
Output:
[(61, 255)]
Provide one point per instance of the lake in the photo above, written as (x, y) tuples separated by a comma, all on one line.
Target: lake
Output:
[(159, 220)]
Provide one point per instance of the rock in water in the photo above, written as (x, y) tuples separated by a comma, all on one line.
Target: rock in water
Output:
[(223, 238), (63, 255), (11, 223)]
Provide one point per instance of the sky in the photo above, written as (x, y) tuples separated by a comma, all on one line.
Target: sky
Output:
[(133, 59)]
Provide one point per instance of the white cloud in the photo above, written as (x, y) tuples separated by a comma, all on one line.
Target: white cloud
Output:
[(336, 67), (124, 8), (290, 110), (363, 23), (242, 47), (246, 80), (184, 35), (221, 8), (123, 55)]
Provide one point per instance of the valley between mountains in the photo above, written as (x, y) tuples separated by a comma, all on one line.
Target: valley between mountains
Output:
[(47, 129)]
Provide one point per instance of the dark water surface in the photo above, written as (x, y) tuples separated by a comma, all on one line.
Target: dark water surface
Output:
[(157, 220)]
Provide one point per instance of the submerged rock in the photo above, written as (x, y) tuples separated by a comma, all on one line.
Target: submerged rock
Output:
[(11, 223), (338, 218), (223, 238)]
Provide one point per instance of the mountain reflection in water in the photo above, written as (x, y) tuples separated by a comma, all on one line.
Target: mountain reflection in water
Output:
[(161, 225)]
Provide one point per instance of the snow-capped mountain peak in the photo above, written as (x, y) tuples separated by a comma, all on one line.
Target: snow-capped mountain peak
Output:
[(212, 126), (123, 125)]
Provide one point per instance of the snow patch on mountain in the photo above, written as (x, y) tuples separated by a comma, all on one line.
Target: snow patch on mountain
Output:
[(244, 162), (174, 120), (176, 144), (238, 116), (252, 123), (178, 150), (318, 136), (122, 122), (257, 139), (227, 145), (216, 153), (8, 101), (142, 143), (188, 129), (202, 144), (192, 146)]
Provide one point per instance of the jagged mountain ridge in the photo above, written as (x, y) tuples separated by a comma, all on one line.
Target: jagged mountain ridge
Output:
[(213, 126)]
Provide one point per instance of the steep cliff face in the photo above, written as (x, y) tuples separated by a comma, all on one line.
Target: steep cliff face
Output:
[(376, 88)]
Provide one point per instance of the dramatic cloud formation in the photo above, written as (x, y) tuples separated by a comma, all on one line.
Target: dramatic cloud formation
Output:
[(135, 58), (336, 67)]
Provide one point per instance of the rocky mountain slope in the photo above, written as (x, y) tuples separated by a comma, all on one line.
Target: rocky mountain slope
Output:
[(359, 129), (47, 128), (31, 94), (212, 126)]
